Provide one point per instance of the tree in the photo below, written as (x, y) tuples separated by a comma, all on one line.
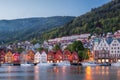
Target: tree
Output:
[(56, 47), (77, 45), (34, 41), (20, 50), (40, 49)]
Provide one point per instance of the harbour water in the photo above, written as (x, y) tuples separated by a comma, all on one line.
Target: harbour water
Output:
[(59, 73)]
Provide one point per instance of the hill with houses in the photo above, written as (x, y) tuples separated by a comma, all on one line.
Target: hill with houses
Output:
[(99, 20)]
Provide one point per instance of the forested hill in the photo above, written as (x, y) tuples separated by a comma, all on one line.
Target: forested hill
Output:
[(29, 28), (102, 19)]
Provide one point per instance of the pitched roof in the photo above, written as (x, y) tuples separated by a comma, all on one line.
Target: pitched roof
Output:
[(109, 40)]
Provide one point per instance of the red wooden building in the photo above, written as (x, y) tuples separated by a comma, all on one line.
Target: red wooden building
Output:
[(50, 56), (16, 58), (74, 57), (58, 56), (66, 55), (2, 56)]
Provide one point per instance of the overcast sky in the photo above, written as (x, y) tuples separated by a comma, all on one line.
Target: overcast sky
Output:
[(13, 9)]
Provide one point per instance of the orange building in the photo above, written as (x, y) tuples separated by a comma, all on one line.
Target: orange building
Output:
[(8, 57), (50, 56), (58, 56), (30, 56), (2, 56), (66, 55), (16, 58)]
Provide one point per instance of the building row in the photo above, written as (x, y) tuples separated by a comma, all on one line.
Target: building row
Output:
[(38, 57), (106, 49)]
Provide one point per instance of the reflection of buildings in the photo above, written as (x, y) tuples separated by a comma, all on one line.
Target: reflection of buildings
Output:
[(88, 75)]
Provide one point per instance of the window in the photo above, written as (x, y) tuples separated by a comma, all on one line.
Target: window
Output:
[(106, 48), (118, 51), (111, 51), (118, 48), (111, 47)]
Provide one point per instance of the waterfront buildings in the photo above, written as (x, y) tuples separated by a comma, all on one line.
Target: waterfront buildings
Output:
[(107, 49)]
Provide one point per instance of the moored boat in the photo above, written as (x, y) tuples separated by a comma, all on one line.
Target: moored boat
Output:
[(115, 64), (64, 63), (6, 64), (90, 63), (44, 64), (105, 64), (25, 64)]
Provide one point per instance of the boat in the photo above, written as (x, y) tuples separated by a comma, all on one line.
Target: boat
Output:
[(115, 64), (76, 64), (6, 64), (45, 64), (105, 64), (64, 63), (26, 64), (90, 63)]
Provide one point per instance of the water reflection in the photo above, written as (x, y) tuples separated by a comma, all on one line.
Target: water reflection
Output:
[(88, 75), (59, 73), (36, 73)]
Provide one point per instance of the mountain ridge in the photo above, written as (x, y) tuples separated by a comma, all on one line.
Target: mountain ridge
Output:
[(20, 29)]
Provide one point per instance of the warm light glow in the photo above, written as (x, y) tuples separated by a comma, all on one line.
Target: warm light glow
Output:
[(51, 61), (88, 73), (36, 72), (103, 60), (107, 60), (118, 60), (99, 61), (57, 61)]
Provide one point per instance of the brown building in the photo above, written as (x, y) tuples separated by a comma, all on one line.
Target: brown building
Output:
[(30, 56), (50, 56)]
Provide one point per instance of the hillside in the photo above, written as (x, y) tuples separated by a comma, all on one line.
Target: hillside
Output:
[(29, 28), (99, 20)]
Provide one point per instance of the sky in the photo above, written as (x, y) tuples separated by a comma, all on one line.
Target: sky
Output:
[(14, 9)]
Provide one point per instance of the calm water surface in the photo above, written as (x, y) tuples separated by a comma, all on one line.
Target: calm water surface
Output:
[(59, 73)]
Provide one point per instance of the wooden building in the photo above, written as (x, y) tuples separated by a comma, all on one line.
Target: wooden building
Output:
[(9, 57), (74, 57), (43, 57), (58, 56), (2, 56), (30, 56), (50, 57), (66, 55), (37, 57), (16, 58)]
